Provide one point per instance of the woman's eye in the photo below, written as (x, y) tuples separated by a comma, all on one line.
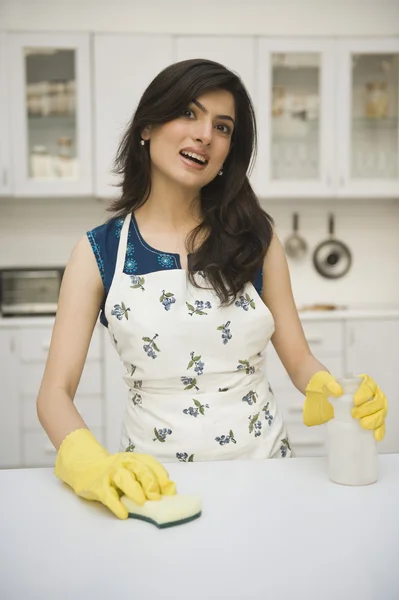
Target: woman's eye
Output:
[(188, 113), (224, 128)]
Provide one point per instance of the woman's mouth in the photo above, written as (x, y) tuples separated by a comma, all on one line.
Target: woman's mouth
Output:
[(193, 160)]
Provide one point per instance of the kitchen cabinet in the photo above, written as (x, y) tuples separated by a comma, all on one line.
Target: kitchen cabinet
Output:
[(367, 117), (23, 355), (124, 65), (10, 434), (328, 118), (5, 180), (326, 342), (295, 117), (371, 346), (51, 113)]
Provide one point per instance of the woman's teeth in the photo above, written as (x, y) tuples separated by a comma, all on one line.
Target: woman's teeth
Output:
[(194, 157)]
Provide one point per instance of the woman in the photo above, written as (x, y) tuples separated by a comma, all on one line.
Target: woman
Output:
[(192, 282)]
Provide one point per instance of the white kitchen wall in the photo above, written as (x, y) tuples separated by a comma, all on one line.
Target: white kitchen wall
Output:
[(43, 232), (271, 17)]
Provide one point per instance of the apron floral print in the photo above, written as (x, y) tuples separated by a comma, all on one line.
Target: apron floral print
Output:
[(194, 369)]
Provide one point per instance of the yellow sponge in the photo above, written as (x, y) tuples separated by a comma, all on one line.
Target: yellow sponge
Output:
[(167, 512)]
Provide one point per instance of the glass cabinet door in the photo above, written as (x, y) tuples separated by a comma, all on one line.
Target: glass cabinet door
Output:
[(52, 115), (295, 98), (369, 125)]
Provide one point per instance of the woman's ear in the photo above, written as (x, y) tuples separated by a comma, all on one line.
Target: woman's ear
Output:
[(145, 134)]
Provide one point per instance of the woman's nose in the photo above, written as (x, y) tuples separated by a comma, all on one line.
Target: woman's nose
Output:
[(203, 132)]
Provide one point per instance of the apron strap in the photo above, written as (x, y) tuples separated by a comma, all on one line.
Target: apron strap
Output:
[(120, 260)]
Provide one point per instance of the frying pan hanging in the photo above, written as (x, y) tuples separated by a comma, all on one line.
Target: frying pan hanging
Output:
[(295, 245), (332, 258)]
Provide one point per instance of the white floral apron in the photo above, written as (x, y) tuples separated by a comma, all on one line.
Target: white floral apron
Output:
[(194, 369)]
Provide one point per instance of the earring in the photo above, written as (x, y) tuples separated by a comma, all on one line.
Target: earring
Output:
[(142, 142), (220, 172)]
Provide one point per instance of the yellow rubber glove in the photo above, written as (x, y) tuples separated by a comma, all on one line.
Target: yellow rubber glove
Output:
[(95, 474), (371, 407), (317, 409)]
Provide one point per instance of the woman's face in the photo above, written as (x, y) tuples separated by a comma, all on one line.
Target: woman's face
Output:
[(191, 149)]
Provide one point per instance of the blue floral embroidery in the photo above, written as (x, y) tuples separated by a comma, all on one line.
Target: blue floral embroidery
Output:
[(130, 266), (184, 457), (255, 425), (167, 299), (136, 399), (199, 365), (268, 416), (285, 445), (250, 397), (199, 409), (137, 282), (118, 226), (150, 346), (244, 364), (189, 382), (199, 307), (130, 249), (160, 434), (245, 302), (165, 261), (119, 311), (130, 447), (226, 335), (226, 439)]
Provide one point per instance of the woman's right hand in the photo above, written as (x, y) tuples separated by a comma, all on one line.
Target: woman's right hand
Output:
[(95, 474)]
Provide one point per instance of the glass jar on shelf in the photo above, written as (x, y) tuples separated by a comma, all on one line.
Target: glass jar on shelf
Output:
[(41, 166), (64, 163), (377, 100)]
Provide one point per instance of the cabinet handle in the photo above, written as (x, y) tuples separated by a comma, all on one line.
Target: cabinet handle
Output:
[(49, 449), (314, 339), (295, 409), (306, 443)]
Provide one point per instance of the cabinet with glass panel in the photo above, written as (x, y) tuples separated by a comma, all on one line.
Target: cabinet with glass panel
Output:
[(367, 107), (328, 118), (51, 114)]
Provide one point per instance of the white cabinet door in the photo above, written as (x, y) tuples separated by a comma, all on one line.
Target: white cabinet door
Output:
[(124, 65), (296, 90), (10, 440), (5, 181), (51, 113), (367, 114), (372, 348)]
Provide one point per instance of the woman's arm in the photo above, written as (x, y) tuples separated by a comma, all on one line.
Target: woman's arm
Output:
[(79, 303), (288, 339)]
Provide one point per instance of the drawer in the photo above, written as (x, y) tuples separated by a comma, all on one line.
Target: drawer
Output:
[(34, 344), (301, 436), (90, 407), (38, 451), (279, 378), (31, 375), (324, 338)]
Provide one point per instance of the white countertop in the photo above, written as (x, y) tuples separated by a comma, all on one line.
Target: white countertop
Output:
[(270, 530), (305, 315)]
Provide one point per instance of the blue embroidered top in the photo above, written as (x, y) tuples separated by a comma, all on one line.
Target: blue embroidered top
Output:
[(140, 257)]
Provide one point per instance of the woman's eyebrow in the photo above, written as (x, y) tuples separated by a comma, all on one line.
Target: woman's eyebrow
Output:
[(201, 107)]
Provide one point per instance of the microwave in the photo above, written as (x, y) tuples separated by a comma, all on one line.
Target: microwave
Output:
[(30, 291)]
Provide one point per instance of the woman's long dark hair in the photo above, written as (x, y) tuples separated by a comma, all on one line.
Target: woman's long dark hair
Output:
[(239, 230)]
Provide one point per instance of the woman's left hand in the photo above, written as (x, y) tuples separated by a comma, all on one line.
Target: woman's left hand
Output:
[(371, 407)]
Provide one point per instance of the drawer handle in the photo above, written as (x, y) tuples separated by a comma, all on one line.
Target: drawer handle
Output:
[(295, 409), (49, 449), (306, 443), (314, 339)]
